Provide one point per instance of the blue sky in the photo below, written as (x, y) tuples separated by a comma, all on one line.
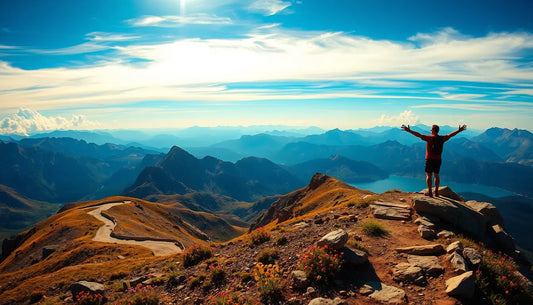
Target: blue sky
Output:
[(94, 64)]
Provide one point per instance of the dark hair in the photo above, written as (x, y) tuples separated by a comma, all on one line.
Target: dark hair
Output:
[(436, 128)]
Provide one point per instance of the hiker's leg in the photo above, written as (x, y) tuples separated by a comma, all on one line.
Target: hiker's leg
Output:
[(429, 183), (437, 183)]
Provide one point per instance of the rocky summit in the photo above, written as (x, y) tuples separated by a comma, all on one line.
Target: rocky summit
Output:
[(326, 243)]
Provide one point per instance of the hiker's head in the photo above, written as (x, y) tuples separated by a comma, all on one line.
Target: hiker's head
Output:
[(435, 129)]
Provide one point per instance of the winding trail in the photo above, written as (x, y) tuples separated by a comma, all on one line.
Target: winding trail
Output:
[(159, 248)]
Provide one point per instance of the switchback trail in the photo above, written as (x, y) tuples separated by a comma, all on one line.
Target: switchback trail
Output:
[(103, 234)]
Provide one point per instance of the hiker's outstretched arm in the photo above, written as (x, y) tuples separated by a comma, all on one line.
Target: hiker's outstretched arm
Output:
[(414, 133), (461, 128)]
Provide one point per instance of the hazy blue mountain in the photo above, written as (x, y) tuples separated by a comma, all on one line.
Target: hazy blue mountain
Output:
[(511, 145), (180, 172), (260, 145), (97, 137), (336, 137), (49, 176), (216, 152), (341, 168), (125, 155)]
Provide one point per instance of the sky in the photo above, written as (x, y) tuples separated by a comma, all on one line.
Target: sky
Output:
[(134, 64)]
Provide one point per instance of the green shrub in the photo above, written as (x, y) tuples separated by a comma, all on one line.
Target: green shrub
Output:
[(197, 281), (321, 264), (245, 277), (196, 254), (217, 275), (373, 228), (258, 237), (268, 256)]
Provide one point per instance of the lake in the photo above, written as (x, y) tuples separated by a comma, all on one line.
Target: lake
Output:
[(410, 184)]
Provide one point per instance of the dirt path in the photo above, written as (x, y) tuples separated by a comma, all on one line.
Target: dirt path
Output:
[(103, 234)]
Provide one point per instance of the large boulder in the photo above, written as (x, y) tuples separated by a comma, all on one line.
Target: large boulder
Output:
[(488, 210), (452, 212), (354, 257), (335, 239), (92, 288), (445, 191), (461, 286), (458, 263)]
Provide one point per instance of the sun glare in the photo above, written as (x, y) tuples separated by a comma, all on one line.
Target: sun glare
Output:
[(183, 4)]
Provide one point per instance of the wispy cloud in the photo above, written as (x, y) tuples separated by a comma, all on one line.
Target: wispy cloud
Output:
[(102, 36), (171, 21), (27, 121), (269, 7), (189, 69)]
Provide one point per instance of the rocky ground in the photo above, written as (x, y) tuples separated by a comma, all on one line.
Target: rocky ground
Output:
[(413, 263), (237, 258)]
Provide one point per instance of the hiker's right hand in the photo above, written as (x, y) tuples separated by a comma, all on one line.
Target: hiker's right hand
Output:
[(406, 128)]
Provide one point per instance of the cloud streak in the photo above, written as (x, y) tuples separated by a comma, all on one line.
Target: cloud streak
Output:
[(171, 21), (198, 69)]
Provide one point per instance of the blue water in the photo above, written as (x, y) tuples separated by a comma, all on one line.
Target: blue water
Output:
[(410, 184)]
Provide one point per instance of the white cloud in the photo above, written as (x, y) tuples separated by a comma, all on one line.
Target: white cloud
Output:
[(171, 21), (407, 117), (269, 7), (189, 69), (102, 36), (27, 121)]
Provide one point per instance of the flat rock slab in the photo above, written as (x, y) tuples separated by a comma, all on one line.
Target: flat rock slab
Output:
[(432, 249), (387, 294), (430, 264), (388, 210)]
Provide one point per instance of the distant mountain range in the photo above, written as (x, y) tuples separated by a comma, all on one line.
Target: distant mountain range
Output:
[(180, 172), (55, 169)]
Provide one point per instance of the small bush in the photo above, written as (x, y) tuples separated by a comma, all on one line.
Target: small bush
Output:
[(196, 254), (258, 237), (496, 280), (269, 283), (373, 228), (268, 256), (245, 277), (171, 266), (141, 295), (197, 281), (321, 264), (217, 275), (230, 297), (281, 240), (87, 298)]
